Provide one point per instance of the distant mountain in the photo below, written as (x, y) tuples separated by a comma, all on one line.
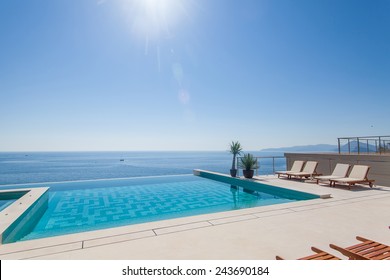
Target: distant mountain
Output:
[(353, 148), (306, 148)]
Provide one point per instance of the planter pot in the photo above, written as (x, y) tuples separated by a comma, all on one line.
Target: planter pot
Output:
[(233, 172), (248, 173)]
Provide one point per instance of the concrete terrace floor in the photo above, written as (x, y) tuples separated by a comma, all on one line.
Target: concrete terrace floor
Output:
[(288, 230)]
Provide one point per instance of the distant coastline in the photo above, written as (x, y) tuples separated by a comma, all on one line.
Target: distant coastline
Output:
[(306, 148)]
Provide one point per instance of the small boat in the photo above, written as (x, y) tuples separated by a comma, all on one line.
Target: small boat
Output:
[(122, 159)]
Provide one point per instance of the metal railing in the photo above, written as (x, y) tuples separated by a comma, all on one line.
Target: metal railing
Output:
[(267, 164), (365, 144)]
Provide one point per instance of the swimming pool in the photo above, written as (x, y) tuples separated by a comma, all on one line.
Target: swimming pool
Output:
[(91, 205), (8, 198)]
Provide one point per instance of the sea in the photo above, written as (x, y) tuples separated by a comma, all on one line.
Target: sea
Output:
[(40, 167)]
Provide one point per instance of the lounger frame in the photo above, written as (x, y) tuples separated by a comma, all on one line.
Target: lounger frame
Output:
[(351, 181), (309, 171), (366, 250), (296, 167), (339, 171)]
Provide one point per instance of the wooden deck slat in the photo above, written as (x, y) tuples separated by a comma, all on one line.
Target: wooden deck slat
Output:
[(383, 257), (367, 249), (382, 252), (315, 256), (365, 243)]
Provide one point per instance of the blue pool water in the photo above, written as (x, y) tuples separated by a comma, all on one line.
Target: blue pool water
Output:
[(91, 205)]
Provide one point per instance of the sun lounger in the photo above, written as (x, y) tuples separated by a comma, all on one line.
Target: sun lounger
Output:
[(340, 171), (358, 175), (296, 167), (366, 250), (308, 171), (320, 255)]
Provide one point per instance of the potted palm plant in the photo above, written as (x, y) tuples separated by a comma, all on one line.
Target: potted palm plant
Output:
[(235, 149), (248, 163)]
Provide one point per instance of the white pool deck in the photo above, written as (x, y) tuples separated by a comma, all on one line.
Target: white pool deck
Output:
[(288, 230)]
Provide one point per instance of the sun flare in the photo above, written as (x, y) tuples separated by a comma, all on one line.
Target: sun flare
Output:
[(154, 18)]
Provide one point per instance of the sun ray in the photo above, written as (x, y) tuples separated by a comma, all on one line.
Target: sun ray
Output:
[(154, 18)]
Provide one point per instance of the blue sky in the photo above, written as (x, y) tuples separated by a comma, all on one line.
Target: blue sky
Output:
[(191, 75)]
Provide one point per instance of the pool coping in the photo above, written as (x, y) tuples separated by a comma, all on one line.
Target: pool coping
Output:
[(16, 213), (260, 180), (101, 240)]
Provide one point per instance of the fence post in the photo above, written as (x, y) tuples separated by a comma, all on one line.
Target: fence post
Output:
[(338, 140)]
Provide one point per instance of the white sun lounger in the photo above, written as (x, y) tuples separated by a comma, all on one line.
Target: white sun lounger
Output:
[(296, 167), (308, 171), (340, 171), (358, 175)]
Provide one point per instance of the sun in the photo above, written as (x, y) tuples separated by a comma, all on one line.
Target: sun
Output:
[(154, 19)]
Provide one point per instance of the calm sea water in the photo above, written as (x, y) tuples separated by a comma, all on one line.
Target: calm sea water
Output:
[(37, 167)]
